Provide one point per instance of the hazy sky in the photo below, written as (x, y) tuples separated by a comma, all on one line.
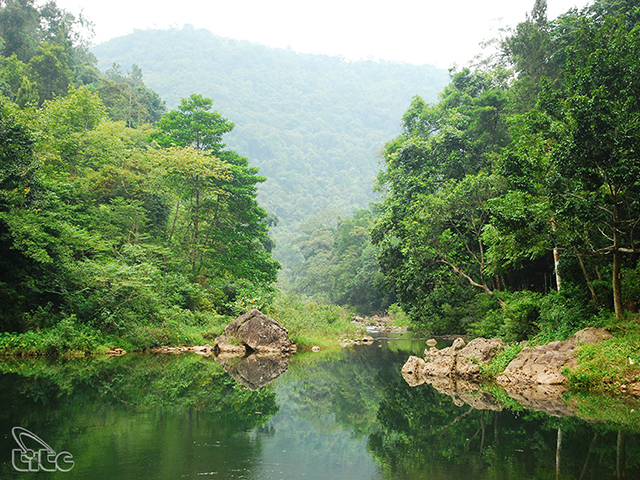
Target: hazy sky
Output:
[(437, 32)]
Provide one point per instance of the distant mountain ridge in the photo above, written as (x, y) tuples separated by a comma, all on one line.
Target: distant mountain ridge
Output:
[(312, 123)]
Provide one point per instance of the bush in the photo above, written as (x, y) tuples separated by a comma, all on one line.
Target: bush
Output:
[(310, 323), (564, 313), (68, 336), (517, 320)]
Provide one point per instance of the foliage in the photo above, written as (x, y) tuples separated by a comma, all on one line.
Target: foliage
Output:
[(44, 51), (515, 184), (107, 237), (128, 99), (340, 265), (429, 231)]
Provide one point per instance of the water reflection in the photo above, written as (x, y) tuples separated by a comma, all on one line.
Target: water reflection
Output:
[(335, 414), (256, 370)]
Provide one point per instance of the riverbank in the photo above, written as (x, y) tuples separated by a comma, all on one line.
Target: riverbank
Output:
[(593, 360), (308, 323)]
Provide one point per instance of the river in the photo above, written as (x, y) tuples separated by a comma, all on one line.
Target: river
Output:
[(336, 414)]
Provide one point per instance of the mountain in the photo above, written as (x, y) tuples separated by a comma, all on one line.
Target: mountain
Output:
[(312, 123)]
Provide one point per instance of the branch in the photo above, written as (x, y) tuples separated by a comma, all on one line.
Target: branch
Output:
[(473, 283)]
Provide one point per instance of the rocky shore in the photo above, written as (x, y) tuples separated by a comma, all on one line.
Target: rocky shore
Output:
[(534, 378)]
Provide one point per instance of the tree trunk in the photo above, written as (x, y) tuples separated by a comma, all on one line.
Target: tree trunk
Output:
[(617, 276), (556, 263), (556, 257), (586, 276)]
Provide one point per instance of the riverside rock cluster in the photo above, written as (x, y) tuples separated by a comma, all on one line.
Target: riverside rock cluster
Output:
[(533, 379), (541, 365)]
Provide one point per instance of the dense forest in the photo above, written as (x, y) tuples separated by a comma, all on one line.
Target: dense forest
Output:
[(313, 124), (511, 206), (111, 227)]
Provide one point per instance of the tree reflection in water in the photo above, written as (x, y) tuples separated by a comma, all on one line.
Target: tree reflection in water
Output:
[(337, 414)]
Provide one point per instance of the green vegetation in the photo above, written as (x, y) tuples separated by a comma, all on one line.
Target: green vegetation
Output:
[(510, 202), (310, 323), (611, 366), (313, 124), (115, 232), (340, 263), (510, 207)]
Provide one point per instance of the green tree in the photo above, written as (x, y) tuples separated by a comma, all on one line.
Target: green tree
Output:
[(19, 28), (229, 231), (128, 99), (193, 124), (441, 145), (50, 69), (598, 118)]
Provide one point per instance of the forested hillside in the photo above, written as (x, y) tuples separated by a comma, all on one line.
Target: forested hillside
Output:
[(312, 123)]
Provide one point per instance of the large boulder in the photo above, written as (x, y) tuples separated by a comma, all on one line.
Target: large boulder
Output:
[(258, 333), (543, 365)]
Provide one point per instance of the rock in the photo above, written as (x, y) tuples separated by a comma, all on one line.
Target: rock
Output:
[(461, 359), (259, 333), (458, 344), (543, 365), (590, 335), (412, 371), (432, 342), (116, 352), (205, 350), (482, 350), (440, 365), (367, 339)]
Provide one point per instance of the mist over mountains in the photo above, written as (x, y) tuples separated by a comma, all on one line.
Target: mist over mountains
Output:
[(312, 123)]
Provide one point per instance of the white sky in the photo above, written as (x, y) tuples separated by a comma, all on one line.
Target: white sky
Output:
[(436, 32)]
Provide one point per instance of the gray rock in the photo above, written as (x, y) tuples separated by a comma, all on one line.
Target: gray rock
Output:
[(543, 365), (259, 333)]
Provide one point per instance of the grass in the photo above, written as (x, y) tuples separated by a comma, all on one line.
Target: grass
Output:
[(612, 365), (310, 323), (499, 362)]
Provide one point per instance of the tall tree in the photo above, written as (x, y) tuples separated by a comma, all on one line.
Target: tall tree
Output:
[(233, 239), (440, 146)]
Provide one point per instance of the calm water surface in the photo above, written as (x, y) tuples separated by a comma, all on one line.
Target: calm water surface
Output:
[(342, 414)]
